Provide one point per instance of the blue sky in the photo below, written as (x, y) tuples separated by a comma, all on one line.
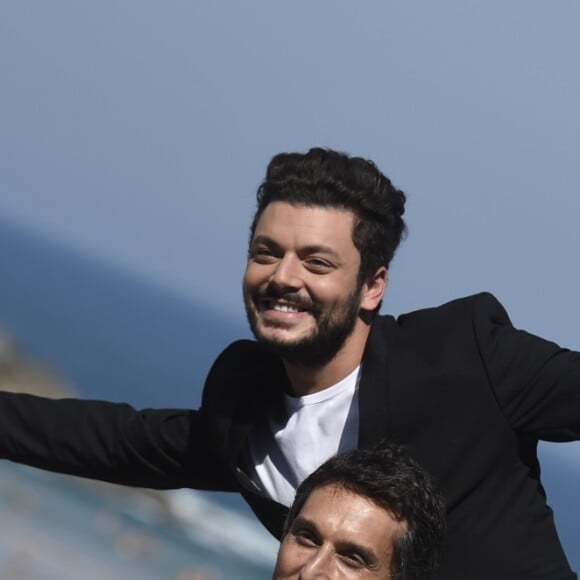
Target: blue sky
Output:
[(138, 131)]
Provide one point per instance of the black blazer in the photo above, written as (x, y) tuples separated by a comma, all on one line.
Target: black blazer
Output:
[(468, 394)]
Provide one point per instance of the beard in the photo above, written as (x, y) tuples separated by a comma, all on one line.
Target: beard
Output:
[(334, 324)]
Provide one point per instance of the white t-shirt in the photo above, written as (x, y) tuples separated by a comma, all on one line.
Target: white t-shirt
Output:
[(313, 428)]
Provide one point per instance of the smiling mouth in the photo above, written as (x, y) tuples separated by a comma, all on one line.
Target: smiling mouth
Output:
[(282, 306)]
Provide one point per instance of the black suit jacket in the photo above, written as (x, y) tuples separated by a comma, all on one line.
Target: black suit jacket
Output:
[(468, 394)]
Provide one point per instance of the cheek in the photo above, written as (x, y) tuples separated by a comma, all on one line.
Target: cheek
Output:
[(331, 288), (289, 562), (254, 275), (248, 281)]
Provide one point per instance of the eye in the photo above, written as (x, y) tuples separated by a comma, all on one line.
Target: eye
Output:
[(353, 560), (318, 265), (262, 255), (305, 537)]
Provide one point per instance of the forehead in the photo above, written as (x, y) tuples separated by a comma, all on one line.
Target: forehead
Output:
[(341, 515), (310, 224)]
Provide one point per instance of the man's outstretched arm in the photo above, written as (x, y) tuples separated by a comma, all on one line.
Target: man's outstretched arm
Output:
[(536, 382), (155, 448)]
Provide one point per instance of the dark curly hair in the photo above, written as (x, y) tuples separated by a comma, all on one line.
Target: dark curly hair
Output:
[(386, 474), (323, 177)]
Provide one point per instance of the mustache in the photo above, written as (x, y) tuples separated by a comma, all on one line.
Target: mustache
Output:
[(272, 293)]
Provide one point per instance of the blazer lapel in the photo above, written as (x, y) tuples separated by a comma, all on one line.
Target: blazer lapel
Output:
[(262, 396), (374, 405)]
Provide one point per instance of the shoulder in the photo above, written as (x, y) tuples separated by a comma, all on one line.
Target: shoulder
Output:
[(237, 352), (483, 304), (461, 316), (243, 367), (237, 360)]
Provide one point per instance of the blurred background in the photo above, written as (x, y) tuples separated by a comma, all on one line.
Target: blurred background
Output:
[(133, 136)]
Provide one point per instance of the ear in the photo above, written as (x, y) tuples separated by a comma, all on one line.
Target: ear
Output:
[(373, 289)]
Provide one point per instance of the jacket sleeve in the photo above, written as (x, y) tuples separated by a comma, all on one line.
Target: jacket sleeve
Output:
[(536, 382), (162, 448)]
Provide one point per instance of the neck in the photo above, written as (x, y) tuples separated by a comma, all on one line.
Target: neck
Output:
[(306, 380)]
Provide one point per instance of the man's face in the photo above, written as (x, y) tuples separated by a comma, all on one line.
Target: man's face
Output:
[(300, 286), (338, 534)]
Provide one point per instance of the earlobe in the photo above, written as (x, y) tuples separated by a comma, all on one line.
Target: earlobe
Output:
[(374, 289)]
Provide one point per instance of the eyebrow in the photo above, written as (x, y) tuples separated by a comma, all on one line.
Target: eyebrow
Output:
[(312, 249), (367, 554)]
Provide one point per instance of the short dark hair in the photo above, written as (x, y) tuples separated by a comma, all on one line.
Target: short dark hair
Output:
[(323, 177), (388, 476)]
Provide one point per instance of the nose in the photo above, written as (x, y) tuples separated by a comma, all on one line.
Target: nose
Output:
[(286, 275), (320, 566)]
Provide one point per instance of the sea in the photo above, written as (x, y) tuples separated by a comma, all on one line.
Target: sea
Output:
[(59, 528), (112, 334)]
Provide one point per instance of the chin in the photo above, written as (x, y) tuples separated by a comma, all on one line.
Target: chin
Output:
[(281, 340), (281, 333)]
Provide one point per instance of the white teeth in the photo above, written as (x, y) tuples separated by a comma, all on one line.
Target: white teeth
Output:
[(285, 308)]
